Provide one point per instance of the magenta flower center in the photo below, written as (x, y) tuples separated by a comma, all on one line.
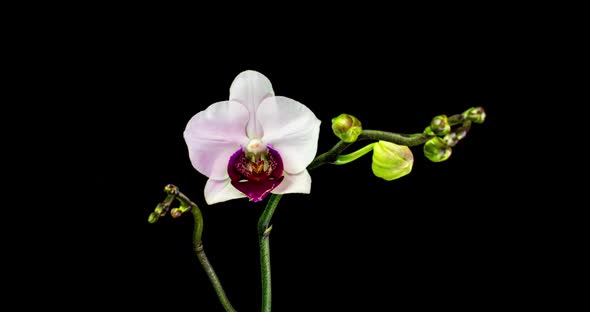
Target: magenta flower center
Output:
[(255, 169)]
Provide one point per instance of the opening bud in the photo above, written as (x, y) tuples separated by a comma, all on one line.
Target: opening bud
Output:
[(391, 161)]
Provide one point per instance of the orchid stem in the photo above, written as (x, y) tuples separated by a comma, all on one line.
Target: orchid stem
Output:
[(200, 251), (329, 156), (264, 229), (187, 205), (332, 156), (400, 139), (345, 159)]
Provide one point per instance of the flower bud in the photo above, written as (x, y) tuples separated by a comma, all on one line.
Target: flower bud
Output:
[(475, 114), (428, 131), (175, 212), (347, 127), (153, 217), (450, 139), (171, 189), (440, 125), (436, 150), (391, 161)]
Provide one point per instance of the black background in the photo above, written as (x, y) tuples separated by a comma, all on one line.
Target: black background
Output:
[(441, 236)]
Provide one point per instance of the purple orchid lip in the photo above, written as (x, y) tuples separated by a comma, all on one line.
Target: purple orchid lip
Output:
[(252, 178)]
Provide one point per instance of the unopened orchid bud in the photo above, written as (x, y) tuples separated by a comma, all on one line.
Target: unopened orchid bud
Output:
[(436, 150), (475, 114), (391, 161), (428, 131), (440, 125), (153, 217), (450, 139), (171, 189), (175, 212), (454, 137), (347, 127)]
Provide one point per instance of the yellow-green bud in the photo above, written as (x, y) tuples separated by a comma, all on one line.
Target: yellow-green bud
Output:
[(450, 139), (171, 189), (454, 137), (176, 212), (391, 161), (160, 210), (440, 125), (428, 131), (475, 114), (153, 217), (436, 150), (347, 127)]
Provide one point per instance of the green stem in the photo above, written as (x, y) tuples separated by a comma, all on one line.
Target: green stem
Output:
[(329, 156), (456, 119), (345, 159), (263, 236), (213, 277), (400, 139), (200, 251), (187, 204)]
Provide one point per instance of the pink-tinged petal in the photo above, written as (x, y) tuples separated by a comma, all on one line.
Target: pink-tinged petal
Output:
[(250, 88), (294, 183), (217, 191), (292, 129), (213, 135)]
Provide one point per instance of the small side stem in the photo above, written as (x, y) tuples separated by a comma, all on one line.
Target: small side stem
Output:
[(187, 205), (400, 139), (213, 278), (264, 229), (345, 159), (456, 119), (329, 156), (200, 251)]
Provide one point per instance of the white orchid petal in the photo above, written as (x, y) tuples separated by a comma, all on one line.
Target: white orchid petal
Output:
[(250, 88), (292, 129), (294, 183), (213, 135), (217, 191)]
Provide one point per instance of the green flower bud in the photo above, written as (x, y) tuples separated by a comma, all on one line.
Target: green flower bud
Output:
[(347, 127), (160, 210), (461, 133), (454, 137), (428, 131), (391, 161), (450, 139), (153, 217), (175, 212), (475, 114), (436, 150), (171, 189), (440, 125)]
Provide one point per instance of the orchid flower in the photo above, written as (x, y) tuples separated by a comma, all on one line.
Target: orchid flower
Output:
[(254, 144)]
